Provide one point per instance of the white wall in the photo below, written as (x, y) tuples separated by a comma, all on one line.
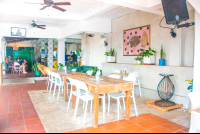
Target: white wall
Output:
[(93, 50), (172, 46), (197, 53)]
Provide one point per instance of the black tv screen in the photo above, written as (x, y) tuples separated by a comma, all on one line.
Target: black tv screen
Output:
[(17, 31)]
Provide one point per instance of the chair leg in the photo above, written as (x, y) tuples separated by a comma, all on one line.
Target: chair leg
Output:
[(51, 87), (48, 86), (83, 104), (108, 103), (104, 106), (76, 108), (123, 102), (85, 111), (134, 103), (70, 96), (59, 92), (55, 86), (118, 107), (91, 107), (140, 91)]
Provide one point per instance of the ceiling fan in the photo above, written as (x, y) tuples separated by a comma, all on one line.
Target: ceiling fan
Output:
[(50, 3), (37, 26)]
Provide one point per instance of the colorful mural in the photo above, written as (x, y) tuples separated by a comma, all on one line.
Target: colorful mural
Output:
[(136, 39)]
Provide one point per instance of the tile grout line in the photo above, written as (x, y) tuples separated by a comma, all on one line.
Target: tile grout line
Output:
[(8, 111), (22, 112)]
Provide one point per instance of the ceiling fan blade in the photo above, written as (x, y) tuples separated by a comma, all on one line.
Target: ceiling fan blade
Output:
[(62, 3), (34, 3), (43, 7), (41, 25), (61, 9)]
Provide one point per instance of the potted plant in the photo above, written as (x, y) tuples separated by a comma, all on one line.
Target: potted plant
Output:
[(139, 60), (148, 56), (36, 69), (78, 52), (110, 55), (162, 56), (60, 66)]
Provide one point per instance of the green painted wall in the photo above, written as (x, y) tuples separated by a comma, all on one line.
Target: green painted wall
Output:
[(23, 52)]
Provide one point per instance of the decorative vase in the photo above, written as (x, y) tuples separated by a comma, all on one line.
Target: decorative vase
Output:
[(37, 73), (110, 58), (149, 60), (161, 62)]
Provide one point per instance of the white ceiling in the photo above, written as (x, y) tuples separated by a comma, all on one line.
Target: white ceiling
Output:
[(17, 12)]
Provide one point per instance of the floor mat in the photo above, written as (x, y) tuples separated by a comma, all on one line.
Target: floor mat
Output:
[(18, 81), (56, 119)]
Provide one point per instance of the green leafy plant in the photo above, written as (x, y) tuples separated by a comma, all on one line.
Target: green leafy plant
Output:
[(78, 51), (95, 71), (147, 53), (139, 58), (162, 55), (111, 53), (60, 66), (67, 63), (35, 68)]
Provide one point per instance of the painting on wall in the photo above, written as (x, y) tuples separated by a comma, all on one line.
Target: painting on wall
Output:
[(136, 39)]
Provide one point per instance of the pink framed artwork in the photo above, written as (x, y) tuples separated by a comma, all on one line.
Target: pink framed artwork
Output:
[(136, 39)]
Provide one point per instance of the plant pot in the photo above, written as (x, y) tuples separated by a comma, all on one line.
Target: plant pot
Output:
[(138, 62), (161, 62), (37, 73), (110, 58), (149, 60)]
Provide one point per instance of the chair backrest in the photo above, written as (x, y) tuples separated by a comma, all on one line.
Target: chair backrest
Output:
[(195, 99), (79, 85), (116, 71), (114, 76), (133, 79), (135, 75), (48, 68), (89, 72), (57, 77), (50, 74), (16, 65), (73, 70), (41, 68)]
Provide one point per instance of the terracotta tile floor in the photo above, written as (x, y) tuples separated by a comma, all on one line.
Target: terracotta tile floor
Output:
[(18, 115)]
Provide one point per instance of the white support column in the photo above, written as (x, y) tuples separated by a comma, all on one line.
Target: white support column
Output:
[(1, 49), (61, 51), (50, 53), (196, 83)]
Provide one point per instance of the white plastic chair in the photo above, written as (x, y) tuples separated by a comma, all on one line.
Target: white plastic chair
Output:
[(132, 92), (195, 116), (89, 73), (50, 80), (16, 67), (58, 82), (73, 70), (86, 96), (137, 82), (116, 71), (116, 96)]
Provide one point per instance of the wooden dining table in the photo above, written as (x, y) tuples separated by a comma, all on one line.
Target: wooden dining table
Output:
[(64, 76), (107, 85)]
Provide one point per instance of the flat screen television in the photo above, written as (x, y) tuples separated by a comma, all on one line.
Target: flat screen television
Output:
[(18, 31)]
